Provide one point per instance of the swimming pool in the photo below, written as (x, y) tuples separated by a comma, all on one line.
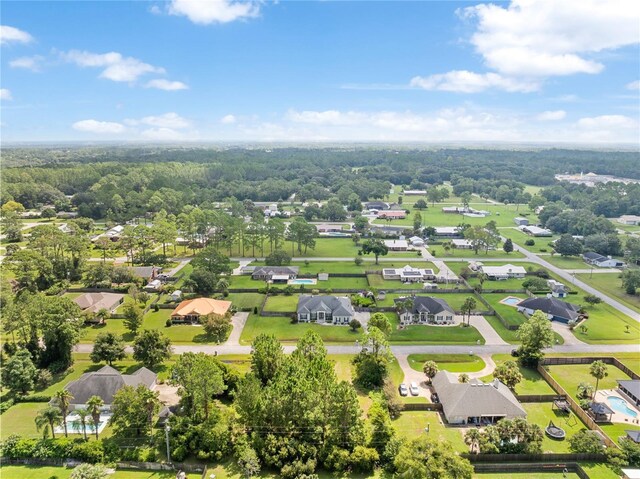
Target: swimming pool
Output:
[(620, 405), (511, 301), (302, 281), (74, 427)]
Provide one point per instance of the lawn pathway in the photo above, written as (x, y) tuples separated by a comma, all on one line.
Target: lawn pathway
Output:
[(239, 320)]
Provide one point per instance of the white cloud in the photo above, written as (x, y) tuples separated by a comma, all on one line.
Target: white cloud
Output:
[(162, 84), (605, 122), (228, 120), (116, 67), (167, 120), (28, 63), (13, 35), (552, 115), (464, 81), (205, 12), (162, 134), (5, 94), (634, 85), (548, 38), (95, 126)]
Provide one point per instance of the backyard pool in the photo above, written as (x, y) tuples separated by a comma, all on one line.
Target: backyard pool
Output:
[(620, 405), (303, 281), (511, 301), (74, 426)]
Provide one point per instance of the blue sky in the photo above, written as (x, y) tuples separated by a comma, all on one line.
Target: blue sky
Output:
[(184, 70)]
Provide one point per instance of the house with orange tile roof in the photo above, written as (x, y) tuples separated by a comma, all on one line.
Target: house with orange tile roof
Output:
[(190, 310)]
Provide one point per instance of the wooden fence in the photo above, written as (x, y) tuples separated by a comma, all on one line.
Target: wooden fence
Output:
[(532, 467), (575, 407), (421, 406), (533, 398), (588, 360), (534, 458)]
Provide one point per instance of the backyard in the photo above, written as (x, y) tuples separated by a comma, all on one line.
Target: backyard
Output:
[(288, 332)]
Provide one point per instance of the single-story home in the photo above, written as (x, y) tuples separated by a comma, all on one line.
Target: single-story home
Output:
[(601, 261), (325, 309), (453, 210), (506, 271), (105, 383), (461, 244), (94, 302), (275, 274), (147, 272), (536, 231), (396, 245), (392, 214), (415, 192), (424, 310), (416, 241), (376, 205), (629, 220), (190, 310), (448, 232), (631, 389), (555, 309), (329, 228), (520, 221), (408, 274), (475, 402)]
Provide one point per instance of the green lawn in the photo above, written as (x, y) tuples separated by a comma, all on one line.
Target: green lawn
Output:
[(532, 382), (566, 262), (455, 300), (607, 325), (542, 413), (177, 333), (426, 334), (19, 419), (315, 267), (282, 303), (115, 326), (571, 375), (456, 363), (245, 300), (617, 430), (412, 424), (610, 284), (519, 238), (439, 252), (509, 313), (41, 472), (376, 281), (529, 475), (287, 332)]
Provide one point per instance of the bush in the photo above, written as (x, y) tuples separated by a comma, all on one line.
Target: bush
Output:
[(529, 242), (364, 459), (44, 379), (34, 398), (168, 323), (4, 405), (255, 310), (155, 307), (296, 469), (288, 290)]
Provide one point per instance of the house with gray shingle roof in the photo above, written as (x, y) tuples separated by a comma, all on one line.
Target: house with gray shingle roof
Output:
[(424, 310), (325, 309), (475, 402), (555, 309), (275, 274), (105, 383), (631, 388)]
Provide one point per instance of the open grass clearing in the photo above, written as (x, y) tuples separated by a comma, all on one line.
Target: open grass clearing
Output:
[(412, 424), (315, 267), (440, 253), (541, 244), (455, 363), (569, 376), (611, 285), (427, 334), (40, 472), (532, 382), (542, 413), (282, 303)]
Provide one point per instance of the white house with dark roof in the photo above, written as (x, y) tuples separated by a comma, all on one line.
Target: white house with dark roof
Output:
[(424, 310), (475, 402), (325, 309), (601, 261), (504, 272), (408, 274)]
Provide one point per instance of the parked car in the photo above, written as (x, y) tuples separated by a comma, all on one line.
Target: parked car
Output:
[(404, 391), (413, 387)]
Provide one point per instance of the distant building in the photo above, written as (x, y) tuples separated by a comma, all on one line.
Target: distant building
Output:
[(275, 274), (392, 214), (325, 309), (415, 192), (629, 220), (396, 245), (448, 232), (601, 261), (504, 272), (461, 244), (558, 289), (416, 241), (376, 205), (408, 274), (153, 285), (475, 402), (520, 221), (592, 179), (535, 231)]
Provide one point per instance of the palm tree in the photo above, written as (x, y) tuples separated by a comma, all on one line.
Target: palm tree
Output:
[(81, 422), (463, 378), (48, 417), (598, 370), (94, 404), (223, 284), (472, 439), (63, 398), (103, 314)]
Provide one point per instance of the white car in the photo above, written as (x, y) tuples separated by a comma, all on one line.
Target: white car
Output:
[(413, 387), (403, 390)]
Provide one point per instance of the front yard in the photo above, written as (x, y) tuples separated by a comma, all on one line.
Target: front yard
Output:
[(427, 334), (288, 332), (455, 363)]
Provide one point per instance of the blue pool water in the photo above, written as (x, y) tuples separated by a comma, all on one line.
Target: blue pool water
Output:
[(302, 281), (511, 301), (620, 405)]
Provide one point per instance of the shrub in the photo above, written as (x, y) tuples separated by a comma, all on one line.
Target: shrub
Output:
[(168, 323), (296, 469), (255, 310), (43, 379), (34, 398), (529, 242), (364, 459), (4, 405), (155, 307), (288, 290)]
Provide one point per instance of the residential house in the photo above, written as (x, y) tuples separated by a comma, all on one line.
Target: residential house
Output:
[(555, 309), (448, 232), (461, 244), (176, 295), (330, 228), (408, 274), (105, 383), (504, 272), (631, 389), (629, 220), (536, 231), (325, 309), (115, 233), (147, 272), (520, 221), (392, 214), (424, 310), (414, 192), (453, 210), (558, 289), (275, 274), (632, 435), (376, 205), (396, 245), (416, 241), (94, 302), (475, 402), (601, 261), (153, 285), (190, 310)]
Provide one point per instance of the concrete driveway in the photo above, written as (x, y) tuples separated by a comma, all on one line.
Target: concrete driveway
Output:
[(567, 335), (238, 321), (363, 317)]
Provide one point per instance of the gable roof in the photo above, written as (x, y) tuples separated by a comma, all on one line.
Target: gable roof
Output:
[(504, 269), (271, 270), (633, 435), (475, 398), (594, 256), (336, 305), (428, 304), (631, 385), (94, 302), (106, 382), (201, 307), (552, 306)]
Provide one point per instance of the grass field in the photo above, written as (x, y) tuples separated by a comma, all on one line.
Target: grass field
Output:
[(412, 424), (532, 382), (519, 238), (425, 334), (528, 475), (439, 252), (315, 267), (42, 472), (455, 363), (570, 376), (607, 325), (610, 284), (287, 332), (282, 303), (509, 313), (566, 262), (177, 333), (542, 413)]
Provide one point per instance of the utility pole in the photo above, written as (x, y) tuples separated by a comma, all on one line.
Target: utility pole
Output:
[(167, 428)]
